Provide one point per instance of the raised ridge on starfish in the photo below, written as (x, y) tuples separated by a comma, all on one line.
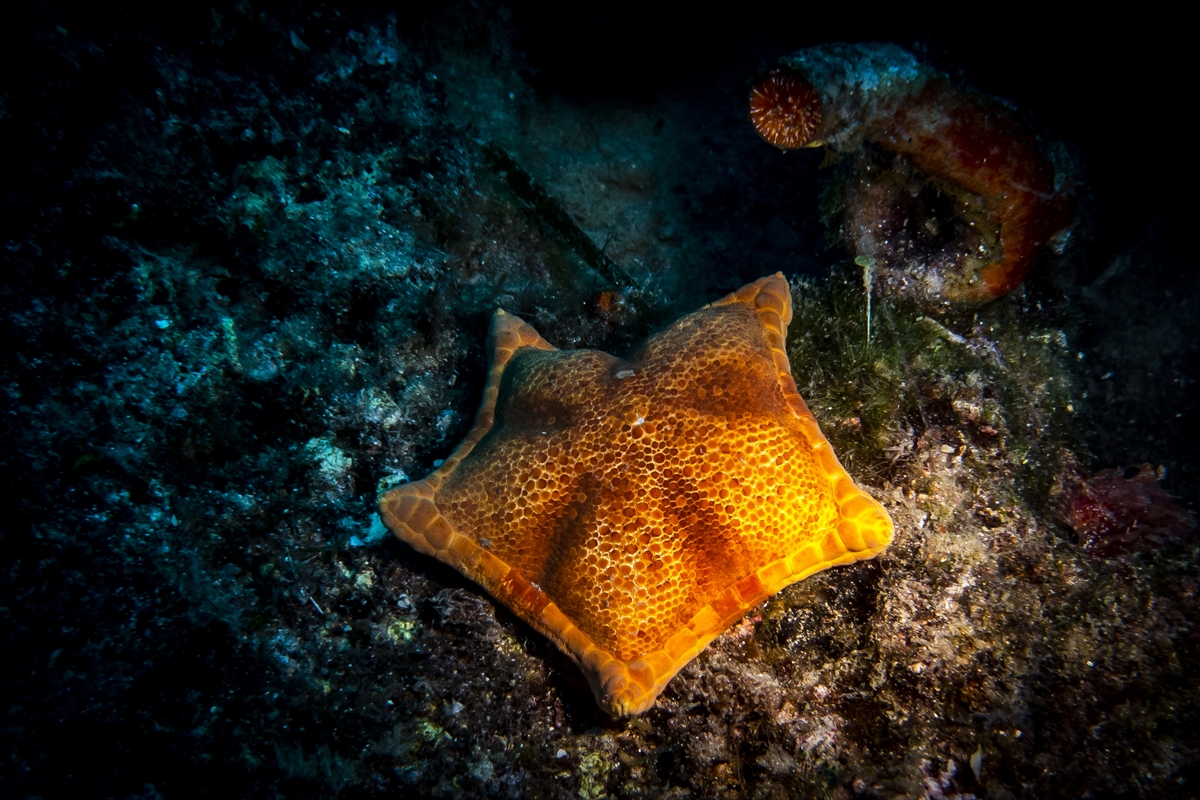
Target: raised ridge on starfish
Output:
[(633, 509)]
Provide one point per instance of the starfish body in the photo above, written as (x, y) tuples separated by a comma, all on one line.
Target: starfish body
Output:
[(633, 509)]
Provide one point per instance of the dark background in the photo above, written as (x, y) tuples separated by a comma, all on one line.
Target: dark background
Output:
[(1114, 86), (1111, 85)]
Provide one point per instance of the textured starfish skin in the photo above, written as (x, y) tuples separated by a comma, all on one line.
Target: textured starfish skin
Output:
[(633, 509)]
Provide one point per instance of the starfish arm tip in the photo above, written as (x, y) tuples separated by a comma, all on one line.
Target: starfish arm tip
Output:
[(410, 513), (510, 333)]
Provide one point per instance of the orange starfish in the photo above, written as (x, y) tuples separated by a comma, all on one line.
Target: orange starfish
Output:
[(633, 509)]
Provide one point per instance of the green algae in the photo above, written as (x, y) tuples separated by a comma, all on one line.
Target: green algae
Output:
[(402, 631), (593, 775), (1005, 380)]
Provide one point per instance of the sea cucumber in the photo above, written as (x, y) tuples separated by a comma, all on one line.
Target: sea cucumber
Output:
[(1001, 197)]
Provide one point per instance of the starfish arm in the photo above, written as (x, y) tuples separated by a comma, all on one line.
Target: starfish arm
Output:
[(410, 510), (507, 335), (771, 300), (862, 531)]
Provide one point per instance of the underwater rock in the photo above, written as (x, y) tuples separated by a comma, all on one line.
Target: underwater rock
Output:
[(949, 198), (191, 599), (1114, 512)]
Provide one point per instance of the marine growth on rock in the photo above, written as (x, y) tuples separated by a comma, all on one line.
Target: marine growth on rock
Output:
[(1118, 511)]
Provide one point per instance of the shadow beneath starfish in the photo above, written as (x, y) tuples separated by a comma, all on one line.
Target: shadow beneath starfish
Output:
[(579, 710)]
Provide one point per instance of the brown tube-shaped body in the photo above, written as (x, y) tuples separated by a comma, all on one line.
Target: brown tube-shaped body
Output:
[(844, 95)]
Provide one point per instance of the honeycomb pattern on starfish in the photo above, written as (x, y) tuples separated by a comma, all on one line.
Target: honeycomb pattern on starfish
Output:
[(633, 509)]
